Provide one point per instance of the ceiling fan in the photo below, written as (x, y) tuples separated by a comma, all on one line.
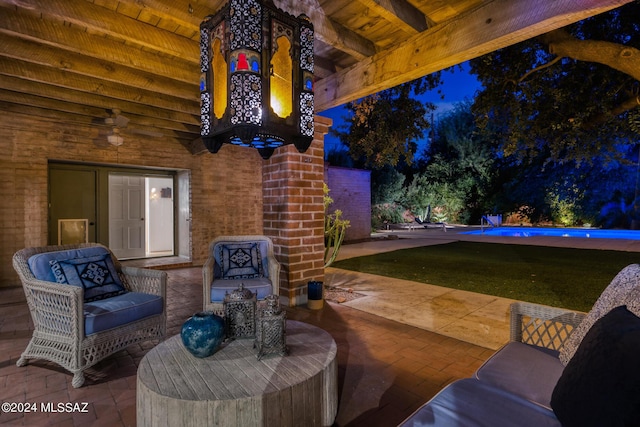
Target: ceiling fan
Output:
[(117, 122)]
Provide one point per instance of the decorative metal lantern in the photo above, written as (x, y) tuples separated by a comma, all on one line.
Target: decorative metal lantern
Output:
[(240, 313), (256, 86), (270, 329)]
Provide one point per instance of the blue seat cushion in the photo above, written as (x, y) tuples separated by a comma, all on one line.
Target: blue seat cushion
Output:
[(109, 313), (260, 286), (472, 403), (528, 371), (91, 268)]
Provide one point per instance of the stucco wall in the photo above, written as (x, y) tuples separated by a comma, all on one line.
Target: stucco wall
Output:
[(350, 190)]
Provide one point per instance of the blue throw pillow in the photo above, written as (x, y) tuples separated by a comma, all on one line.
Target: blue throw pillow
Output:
[(600, 386), (241, 261), (96, 274)]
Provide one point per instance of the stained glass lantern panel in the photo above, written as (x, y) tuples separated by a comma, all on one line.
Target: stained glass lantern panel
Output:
[(257, 83)]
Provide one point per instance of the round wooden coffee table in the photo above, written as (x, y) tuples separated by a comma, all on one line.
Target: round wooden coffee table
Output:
[(233, 388)]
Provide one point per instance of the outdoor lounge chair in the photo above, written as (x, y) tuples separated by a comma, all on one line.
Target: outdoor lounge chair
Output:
[(427, 221), (85, 306), (236, 260)]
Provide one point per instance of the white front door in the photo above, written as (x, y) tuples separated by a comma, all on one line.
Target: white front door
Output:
[(184, 215), (126, 216)]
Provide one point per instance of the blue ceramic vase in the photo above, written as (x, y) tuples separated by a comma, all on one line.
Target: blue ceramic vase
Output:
[(203, 333)]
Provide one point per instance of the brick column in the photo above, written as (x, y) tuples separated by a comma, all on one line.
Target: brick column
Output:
[(294, 213)]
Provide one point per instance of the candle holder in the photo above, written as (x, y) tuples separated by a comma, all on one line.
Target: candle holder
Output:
[(240, 313), (270, 329)]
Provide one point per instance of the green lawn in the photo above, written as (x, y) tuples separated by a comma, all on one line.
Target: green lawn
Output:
[(562, 277)]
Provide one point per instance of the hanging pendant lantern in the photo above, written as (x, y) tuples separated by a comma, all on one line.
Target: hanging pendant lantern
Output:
[(256, 86)]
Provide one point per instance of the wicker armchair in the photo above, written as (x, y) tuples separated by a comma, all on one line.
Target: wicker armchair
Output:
[(221, 274), (541, 325), (59, 314)]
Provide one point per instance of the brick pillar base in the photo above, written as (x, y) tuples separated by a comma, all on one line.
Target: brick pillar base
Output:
[(294, 213)]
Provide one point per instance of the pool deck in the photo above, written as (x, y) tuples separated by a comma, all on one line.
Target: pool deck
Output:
[(426, 237), (475, 318)]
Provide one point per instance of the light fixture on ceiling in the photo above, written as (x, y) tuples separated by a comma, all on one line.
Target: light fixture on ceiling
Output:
[(116, 121), (256, 87), (114, 137)]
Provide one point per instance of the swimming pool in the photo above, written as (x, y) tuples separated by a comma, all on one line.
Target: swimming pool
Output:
[(585, 233)]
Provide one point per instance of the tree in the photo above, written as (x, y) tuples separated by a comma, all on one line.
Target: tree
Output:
[(420, 195), (571, 94), (383, 128), (338, 156), (386, 190), (459, 168), (386, 185)]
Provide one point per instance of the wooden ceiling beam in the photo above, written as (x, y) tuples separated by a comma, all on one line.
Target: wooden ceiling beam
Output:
[(325, 29), (492, 26), (72, 62), (323, 66), (400, 13), (329, 31), (101, 20), (183, 121), (13, 96), (343, 39), (85, 122), (89, 85), (96, 115), (19, 24), (178, 13)]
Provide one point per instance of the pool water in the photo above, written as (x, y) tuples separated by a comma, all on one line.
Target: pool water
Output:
[(585, 233)]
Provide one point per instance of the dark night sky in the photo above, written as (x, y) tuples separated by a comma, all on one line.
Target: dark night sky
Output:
[(458, 86)]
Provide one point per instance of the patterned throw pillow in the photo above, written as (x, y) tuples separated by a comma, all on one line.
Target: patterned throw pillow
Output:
[(241, 261), (97, 275)]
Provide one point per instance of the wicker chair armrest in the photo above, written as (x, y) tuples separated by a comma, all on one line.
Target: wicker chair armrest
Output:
[(207, 279), (274, 274), (145, 280), (542, 325), (207, 271), (55, 308)]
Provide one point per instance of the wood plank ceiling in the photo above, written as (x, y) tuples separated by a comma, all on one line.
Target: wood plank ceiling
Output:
[(74, 61)]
